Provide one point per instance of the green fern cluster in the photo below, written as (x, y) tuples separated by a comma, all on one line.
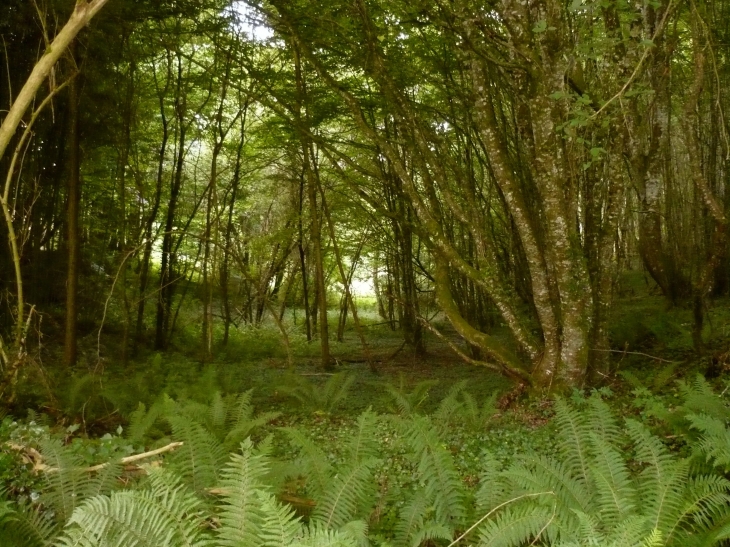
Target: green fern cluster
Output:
[(460, 407), (600, 493), (317, 398), (611, 484), (701, 420), (209, 432), (436, 507), (344, 495), (67, 485), (166, 512), (407, 403)]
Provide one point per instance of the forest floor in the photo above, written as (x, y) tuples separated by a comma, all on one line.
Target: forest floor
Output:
[(96, 410)]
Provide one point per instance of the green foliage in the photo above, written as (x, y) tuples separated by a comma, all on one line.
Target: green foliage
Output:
[(608, 483), (165, 512), (598, 491), (208, 431), (714, 443), (317, 398), (407, 403)]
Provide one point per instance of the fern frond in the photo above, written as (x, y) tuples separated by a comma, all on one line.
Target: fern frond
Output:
[(616, 495), (574, 435), (411, 518), (201, 456), (66, 483), (239, 408), (173, 499), (549, 474), (336, 390), (217, 413), (450, 405), (480, 416), (241, 484), (103, 481), (165, 514), (700, 398), (714, 443), (26, 526), (436, 469), (705, 501), (515, 526), (588, 530), (279, 525), (243, 428), (350, 490), (663, 479), (358, 531), (316, 536), (491, 488), (363, 445), (432, 531), (313, 462), (655, 539), (601, 421), (406, 404), (630, 532)]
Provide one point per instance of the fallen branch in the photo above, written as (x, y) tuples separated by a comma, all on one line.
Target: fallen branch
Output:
[(137, 457), (31, 455), (636, 353)]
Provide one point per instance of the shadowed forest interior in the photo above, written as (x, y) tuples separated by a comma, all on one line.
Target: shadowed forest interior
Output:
[(364, 272)]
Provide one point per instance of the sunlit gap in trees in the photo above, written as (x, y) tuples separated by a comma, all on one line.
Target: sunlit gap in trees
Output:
[(249, 21)]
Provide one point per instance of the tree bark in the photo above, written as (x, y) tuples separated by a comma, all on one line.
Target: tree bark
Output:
[(72, 230)]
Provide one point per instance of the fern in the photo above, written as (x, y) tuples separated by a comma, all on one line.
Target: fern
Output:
[(597, 498), (67, 484), (699, 398), (200, 457), (474, 416), (662, 479), (436, 471), (22, 525), (491, 484), (279, 525), (574, 432), (515, 526), (714, 444), (349, 490), (654, 540), (142, 419), (241, 483), (315, 536), (614, 489), (318, 398), (163, 514), (312, 462), (408, 403), (363, 444), (430, 532), (358, 531), (450, 406)]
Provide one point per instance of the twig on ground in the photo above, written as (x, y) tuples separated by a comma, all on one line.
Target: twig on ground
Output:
[(637, 353), (31, 455)]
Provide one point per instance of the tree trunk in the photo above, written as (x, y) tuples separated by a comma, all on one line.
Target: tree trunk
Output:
[(72, 230)]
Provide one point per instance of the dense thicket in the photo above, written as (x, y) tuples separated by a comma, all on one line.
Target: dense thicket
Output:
[(509, 158)]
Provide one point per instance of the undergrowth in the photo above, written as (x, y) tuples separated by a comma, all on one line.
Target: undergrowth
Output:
[(394, 479)]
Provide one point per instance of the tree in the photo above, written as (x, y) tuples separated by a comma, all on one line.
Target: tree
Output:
[(83, 13)]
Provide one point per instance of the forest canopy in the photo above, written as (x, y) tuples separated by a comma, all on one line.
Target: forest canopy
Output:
[(364, 273), (489, 172)]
